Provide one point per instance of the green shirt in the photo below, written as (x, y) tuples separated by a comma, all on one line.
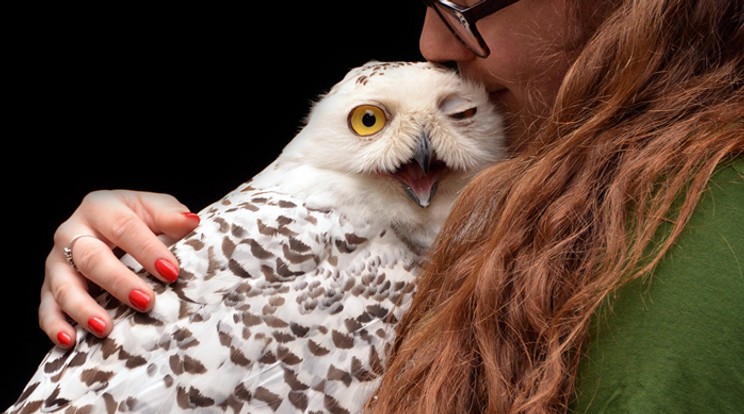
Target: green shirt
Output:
[(674, 343)]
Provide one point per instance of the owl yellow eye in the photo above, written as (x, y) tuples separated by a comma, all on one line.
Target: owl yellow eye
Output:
[(366, 120)]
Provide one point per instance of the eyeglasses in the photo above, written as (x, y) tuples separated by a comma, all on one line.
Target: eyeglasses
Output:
[(461, 20)]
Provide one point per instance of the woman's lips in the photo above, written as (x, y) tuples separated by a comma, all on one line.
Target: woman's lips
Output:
[(497, 95)]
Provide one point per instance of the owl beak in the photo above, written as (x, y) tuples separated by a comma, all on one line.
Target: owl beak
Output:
[(423, 152), (420, 176)]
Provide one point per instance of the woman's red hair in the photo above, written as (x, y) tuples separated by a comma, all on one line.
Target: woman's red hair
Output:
[(651, 106)]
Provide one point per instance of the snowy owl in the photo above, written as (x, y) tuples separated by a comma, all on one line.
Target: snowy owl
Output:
[(291, 285)]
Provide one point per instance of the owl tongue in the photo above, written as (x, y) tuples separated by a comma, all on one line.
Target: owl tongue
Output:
[(419, 186)]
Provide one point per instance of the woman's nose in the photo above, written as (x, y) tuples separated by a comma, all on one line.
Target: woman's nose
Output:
[(438, 44)]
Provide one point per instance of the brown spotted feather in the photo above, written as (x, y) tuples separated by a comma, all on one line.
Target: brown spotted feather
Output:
[(291, 285)]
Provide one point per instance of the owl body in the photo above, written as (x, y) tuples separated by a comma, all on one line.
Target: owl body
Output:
[(291, 286)]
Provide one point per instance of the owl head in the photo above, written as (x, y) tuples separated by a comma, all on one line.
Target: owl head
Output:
[(397, 137), (415, 123)]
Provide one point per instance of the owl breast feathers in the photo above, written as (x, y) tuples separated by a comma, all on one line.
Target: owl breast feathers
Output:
[(291, 285)]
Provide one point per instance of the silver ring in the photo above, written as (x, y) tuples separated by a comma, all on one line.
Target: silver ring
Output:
[(68, 250)]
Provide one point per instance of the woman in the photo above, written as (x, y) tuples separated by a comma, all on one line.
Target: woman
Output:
[(598, 269)]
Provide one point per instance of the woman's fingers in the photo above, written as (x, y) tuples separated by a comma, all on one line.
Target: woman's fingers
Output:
[(132, 221), (65, 300), (136, 223)]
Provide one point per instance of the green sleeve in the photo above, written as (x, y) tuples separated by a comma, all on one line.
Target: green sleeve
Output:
[(674, 343)]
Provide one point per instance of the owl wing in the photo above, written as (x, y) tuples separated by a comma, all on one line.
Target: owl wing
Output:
[(278, 307)]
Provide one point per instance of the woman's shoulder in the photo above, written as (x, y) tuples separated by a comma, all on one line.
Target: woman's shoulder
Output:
[(673, 342), (719, 216), (727, 181)]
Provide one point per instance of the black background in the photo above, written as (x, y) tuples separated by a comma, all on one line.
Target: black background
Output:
[(187, 101)]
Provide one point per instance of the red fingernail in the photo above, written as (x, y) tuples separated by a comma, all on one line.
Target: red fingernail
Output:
[(192, 216), (139, 299), (64, 338), (97, 325), (168, 270)]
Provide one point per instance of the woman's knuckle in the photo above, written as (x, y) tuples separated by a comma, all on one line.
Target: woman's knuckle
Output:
[(123, 225), (88, 259)]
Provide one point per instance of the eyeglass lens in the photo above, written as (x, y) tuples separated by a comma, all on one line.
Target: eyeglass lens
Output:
[(460, 27)]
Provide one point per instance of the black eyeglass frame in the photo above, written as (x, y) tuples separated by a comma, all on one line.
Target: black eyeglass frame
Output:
[(468, 16)]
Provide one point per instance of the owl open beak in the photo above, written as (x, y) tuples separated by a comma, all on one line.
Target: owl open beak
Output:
[(422, 173)]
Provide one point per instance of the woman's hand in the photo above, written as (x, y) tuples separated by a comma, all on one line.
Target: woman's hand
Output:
[(138, 223)]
